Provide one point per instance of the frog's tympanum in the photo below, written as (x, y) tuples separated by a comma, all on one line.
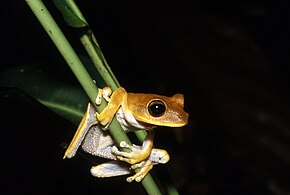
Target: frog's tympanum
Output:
[(134, 111)]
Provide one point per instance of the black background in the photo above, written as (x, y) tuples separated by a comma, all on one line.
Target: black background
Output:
[(229, 58)]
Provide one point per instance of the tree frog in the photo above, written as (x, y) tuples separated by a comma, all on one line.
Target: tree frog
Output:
[(133, 111)]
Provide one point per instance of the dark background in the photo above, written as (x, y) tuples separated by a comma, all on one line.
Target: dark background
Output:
[(229, 58)]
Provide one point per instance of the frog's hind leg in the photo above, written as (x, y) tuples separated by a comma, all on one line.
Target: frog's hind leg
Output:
[(110, 169), (98, 143), (88, 120)]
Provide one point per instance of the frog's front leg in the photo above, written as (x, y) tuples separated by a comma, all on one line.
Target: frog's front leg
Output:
[(114, 103), (137, 154)]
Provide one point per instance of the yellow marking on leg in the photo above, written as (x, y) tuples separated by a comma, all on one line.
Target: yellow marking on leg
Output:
[(116, 100)]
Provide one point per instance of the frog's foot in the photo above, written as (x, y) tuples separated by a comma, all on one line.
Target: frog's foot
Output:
[(99, 96), (105, 93), (145, 166), (136, 155)]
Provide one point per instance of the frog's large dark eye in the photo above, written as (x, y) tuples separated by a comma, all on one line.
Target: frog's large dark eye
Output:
[(156, 108)]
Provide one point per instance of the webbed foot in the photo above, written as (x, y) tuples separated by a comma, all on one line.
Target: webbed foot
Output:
[(145, 167), (136, 155)]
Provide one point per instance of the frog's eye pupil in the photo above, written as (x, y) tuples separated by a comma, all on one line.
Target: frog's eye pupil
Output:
[(156, 108)]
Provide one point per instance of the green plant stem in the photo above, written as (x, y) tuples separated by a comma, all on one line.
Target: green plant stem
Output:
[(91, 46), (73, 61), (64, 48), (98, 62), (81, 74), (109, 78)]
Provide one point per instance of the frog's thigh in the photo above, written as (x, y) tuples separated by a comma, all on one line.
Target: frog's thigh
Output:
[(116, 100), (87, 121)]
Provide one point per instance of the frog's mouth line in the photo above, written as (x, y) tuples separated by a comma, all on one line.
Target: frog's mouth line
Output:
[(147, 126), (150, 126)]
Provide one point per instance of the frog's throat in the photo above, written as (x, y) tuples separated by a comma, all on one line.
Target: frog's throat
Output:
[(129, 123)]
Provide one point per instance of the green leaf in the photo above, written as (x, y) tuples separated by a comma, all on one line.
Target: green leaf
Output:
[(67, 100), (71, 14)]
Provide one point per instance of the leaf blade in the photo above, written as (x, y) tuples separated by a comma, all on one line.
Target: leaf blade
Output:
[(71, 14), (64, 99)]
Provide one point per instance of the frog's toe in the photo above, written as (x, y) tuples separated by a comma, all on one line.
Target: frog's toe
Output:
[(99, 97), (127, 160), (135, 177), (107, 91), (124, 144), (138, 165), (115, 150), (138, 179), (119, 153), (130, 179), (147, 166)]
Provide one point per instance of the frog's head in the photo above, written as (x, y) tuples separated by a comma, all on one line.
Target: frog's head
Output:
[(159, 110)]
